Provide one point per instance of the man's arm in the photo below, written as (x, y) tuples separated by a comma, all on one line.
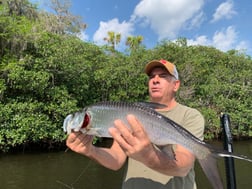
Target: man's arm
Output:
[(112, 158)]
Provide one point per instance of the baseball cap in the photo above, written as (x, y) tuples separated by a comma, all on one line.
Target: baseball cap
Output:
[(170, 67)]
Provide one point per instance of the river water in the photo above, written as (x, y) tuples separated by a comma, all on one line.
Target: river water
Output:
[(62, 170)]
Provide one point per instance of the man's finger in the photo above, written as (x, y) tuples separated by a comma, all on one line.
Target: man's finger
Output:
[(118, 136), (136, 126)]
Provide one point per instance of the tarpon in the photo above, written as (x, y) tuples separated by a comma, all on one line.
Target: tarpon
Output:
[(98, 118)]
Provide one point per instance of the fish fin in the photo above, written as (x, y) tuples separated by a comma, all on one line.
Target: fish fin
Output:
[(97, 132), (152, 105), (169, 150), (209, 166), (92, 131), (229, 154)]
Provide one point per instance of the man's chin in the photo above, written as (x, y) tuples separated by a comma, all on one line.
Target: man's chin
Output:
[(156, 97)]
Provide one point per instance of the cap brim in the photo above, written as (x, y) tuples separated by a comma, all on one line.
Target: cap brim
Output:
[(151, 65)]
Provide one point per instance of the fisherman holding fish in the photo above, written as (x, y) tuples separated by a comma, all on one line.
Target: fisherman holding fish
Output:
[(149, 166)]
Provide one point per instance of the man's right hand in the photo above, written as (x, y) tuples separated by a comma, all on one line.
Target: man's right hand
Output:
[(80, 143)]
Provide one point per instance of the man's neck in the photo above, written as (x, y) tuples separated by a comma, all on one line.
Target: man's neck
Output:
[(169, 103)]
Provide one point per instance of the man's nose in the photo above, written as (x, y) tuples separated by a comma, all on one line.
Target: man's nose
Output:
[(156, 78)]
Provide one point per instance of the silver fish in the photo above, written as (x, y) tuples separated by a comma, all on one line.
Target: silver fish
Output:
[(96, 119)]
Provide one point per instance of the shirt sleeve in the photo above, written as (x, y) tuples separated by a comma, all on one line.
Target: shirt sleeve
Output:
[(194, 122)]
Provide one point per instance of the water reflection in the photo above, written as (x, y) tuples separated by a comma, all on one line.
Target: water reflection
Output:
[(61, 170)]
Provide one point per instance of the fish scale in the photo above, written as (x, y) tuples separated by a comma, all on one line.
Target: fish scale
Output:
[(98, 118)]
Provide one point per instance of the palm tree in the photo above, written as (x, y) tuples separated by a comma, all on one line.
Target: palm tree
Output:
[(113, 39), (134, 41)]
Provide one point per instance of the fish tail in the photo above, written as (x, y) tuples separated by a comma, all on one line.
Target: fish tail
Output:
[(209, 166)]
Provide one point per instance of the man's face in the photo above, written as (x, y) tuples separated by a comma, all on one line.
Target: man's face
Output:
[(162, 85)]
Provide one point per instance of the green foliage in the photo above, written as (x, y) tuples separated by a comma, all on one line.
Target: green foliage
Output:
[(45, 75), (121, 78)]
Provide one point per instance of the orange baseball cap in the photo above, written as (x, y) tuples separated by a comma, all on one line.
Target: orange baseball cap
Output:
[(170, 67)]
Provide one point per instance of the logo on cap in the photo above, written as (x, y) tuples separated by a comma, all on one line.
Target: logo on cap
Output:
[(163, 61)]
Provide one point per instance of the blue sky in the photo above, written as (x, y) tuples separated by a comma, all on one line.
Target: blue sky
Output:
[(224, 24)]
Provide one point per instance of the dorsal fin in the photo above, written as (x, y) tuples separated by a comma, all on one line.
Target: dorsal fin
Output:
[(152, 105)]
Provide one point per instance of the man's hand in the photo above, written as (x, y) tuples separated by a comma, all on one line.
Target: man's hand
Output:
[(134, 140), (80, 143)]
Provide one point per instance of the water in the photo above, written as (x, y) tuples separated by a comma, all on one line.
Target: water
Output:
[(62, 170), (59, 170), (242, 168)]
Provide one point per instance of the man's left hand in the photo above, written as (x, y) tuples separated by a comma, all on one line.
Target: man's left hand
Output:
[(133, 140)]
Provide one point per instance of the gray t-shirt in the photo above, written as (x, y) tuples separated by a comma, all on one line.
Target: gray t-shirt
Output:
[(138, 176)]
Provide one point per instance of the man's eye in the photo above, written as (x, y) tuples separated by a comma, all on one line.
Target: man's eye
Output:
[(159, 75), (163, 75), (151, 76)]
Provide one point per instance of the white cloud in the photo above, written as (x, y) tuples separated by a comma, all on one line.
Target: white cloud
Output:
[(223, 40), (243, 45), (224, 10), (200, 40), (124, 28), (197, 20), (167, 18)]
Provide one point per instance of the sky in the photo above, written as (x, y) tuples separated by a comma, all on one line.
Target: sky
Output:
[(223, 24)]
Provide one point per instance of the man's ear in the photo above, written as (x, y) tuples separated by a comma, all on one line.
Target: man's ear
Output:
[(176, 85)]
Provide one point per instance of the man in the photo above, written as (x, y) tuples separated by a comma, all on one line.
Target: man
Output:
[(149, 166)]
